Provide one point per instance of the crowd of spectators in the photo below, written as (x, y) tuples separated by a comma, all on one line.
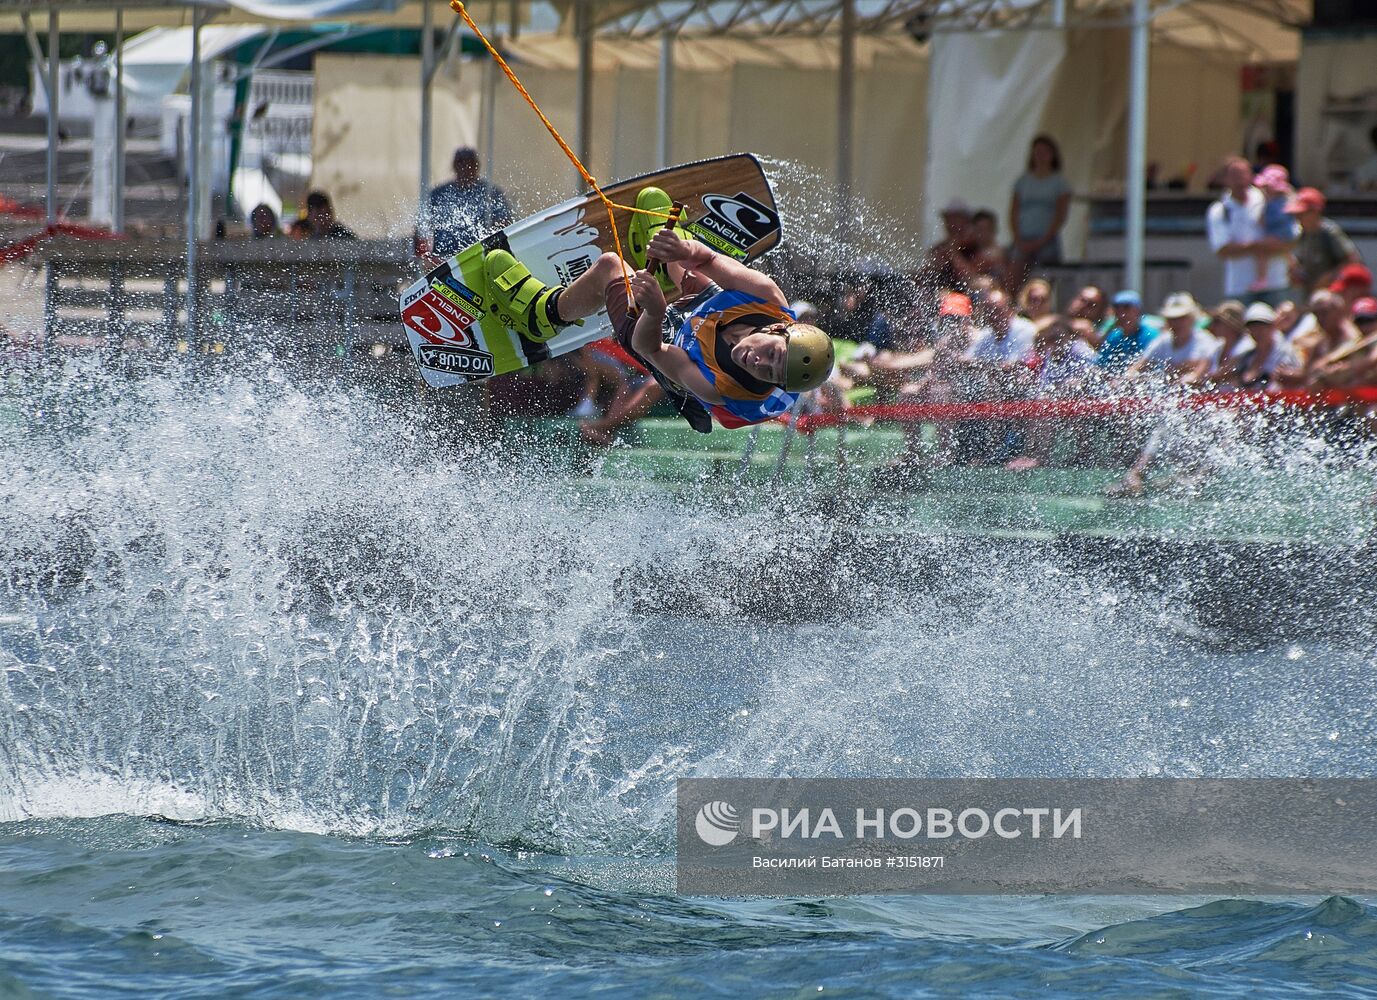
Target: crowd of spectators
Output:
[(316, 222), (978, 325), (1297, 312)]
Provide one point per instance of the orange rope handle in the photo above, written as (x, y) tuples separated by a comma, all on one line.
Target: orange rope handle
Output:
[(458, 7)]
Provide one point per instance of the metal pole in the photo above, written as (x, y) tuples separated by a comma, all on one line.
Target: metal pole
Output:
[(193, 175), (118, 223), (846, 106), (1135, 183), (666, 111), (54, 62), (583, 27), (427, 73), (489, 117)]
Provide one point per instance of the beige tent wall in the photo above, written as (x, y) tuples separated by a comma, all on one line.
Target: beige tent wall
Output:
[(779, 99), (991, 93), (1336, 108), (364, 138), (775, 98), (1194, 116), (1195, 110), (1085, 113)]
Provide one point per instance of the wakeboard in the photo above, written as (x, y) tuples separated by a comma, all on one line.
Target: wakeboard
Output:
[(456, 340)]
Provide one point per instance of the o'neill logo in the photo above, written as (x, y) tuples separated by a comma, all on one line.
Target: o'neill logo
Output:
[(717, 824), (734, 225), (437, 321)]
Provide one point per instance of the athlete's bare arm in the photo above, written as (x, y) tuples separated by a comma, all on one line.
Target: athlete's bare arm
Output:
[(668, 246), (673, 362)]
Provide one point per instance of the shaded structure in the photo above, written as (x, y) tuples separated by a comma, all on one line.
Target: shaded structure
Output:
[(1253, 26)]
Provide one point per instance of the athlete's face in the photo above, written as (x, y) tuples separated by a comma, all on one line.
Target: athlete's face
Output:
[(763, 353)]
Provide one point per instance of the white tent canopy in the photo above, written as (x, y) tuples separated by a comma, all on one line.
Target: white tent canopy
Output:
[(156, 61)]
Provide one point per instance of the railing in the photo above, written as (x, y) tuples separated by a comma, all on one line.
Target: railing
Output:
[(279, 294), (1160, 278)]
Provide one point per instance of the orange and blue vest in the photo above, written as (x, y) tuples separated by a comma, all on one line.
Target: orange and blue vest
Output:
[(745, 399)]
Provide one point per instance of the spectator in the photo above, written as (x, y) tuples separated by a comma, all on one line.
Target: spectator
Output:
[(1234, 224), (1228, 326), (858, 316), (1277, 224), (1065, 366), (263, 223), (1323, 248), (1182, 355), (1333, 331), (1006, 340), (997, 362), (943, 379), (1091, 305), (1065, 362), (320, 215), (462, 211), (1365, 316), (300, 227), (1185, 352), (950, 263), (1347, 355), (1353, 283), (1288, 316), (1035, 300), (1038, 210), (1128, 335), (988, 256), (1364, 368), (1264, 352)]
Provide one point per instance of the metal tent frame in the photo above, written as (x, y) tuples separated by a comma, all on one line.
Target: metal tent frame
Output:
[(589, 20), (924, 18)]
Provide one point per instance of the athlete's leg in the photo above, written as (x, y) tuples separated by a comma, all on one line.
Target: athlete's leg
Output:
[(626, 411), (585, 295)]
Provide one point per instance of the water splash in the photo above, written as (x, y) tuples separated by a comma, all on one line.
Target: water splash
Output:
[(246, 597)]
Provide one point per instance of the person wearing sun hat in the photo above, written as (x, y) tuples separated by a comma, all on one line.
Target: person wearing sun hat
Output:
[(1225, 323), (1185, 352), (1264, 352), (1323, 247)]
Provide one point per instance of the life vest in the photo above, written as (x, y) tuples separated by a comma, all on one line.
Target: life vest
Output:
[(745, 399)]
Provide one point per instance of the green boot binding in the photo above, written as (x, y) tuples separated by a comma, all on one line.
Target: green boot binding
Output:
[(524, 303), (642, 227)]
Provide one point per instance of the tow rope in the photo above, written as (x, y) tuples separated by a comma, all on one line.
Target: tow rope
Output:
[(458, 7)]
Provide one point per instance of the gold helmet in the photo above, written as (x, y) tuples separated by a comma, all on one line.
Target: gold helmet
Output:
[(810, 356)]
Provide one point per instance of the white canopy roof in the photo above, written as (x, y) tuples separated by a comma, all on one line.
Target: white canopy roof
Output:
[(156, 60)]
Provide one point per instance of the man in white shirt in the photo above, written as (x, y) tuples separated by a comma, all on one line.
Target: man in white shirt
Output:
[(1184, 352), (1234, 225), (997, 368), (1007, 338)]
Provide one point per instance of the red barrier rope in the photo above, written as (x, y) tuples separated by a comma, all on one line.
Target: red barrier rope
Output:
[(20, 249), (8, 206), (611, 349), (1033, 409)]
